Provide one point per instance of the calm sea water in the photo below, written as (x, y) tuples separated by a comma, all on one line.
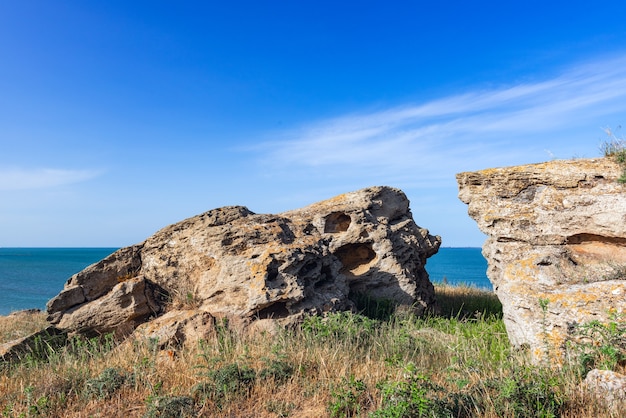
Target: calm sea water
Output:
[(29, 277), (459, 266)]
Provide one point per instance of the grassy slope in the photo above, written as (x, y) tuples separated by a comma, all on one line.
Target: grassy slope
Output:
[(458, 363)]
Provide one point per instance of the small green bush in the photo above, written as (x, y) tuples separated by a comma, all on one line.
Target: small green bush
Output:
[(36, 407), (526, 393), (170, 407), (107, 383), (348, 398), (278, 369), (232, 379), (600, 346), (414, 396), (227, 383)]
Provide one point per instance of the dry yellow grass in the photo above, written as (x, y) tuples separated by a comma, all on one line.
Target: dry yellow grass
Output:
[(340, 366), (21, 324)]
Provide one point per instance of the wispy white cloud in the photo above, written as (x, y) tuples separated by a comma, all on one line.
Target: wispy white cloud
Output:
[(437, 138), (39, 178)]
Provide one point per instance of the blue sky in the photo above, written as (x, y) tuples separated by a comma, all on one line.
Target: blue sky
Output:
[(118, 118)]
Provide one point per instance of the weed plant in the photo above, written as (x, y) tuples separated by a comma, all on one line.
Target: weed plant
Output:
[(456, 362), (600, 346), (615, 147)]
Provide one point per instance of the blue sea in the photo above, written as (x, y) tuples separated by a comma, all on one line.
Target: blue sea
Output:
[(459, 266), (29, 277)]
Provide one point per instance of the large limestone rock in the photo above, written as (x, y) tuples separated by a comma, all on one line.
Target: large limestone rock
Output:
[(556, 245), (230, 262)]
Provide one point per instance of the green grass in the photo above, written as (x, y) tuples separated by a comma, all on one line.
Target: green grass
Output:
[(456, 362)]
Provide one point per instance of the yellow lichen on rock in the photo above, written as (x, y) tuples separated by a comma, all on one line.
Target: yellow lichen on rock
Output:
[(556, 232)]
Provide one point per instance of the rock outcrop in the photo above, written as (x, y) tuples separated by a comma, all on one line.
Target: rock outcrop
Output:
[(230, 262), (556, 245), (608, 386)]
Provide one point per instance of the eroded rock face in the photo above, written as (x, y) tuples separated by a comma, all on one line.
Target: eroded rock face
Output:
[(230, 262), (556, 245)]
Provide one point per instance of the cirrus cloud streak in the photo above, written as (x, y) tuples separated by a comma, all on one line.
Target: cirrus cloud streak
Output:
[(475, 129), (15, 178)]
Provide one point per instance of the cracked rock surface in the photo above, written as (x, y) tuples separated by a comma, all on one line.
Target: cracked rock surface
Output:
[(556, 245)]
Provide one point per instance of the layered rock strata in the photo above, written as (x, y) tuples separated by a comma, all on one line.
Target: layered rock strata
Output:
[(556, 246), (230, 262)]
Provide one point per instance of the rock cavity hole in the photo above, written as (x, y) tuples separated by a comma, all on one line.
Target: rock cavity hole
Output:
[(356, 258), (587, 238), (272, 270), (274, 311), (592, 248), (336, 222)]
